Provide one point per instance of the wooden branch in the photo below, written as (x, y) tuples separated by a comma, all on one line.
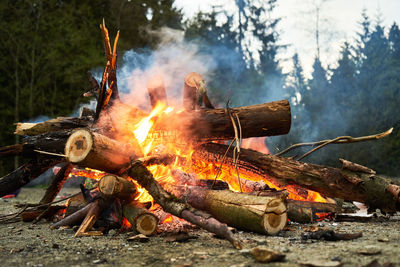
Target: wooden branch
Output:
[(74, 218), (59, 123), (91, 217), (373, 190), (96, 151), (355, 167), (57, 182), (24, 174), (106, 39), (142, 220), (338, 140), (215, 124), (177, 207), (260, 214), (112, 186), (156, 90)]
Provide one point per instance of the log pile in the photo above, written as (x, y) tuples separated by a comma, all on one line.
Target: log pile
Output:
[(93, 141)]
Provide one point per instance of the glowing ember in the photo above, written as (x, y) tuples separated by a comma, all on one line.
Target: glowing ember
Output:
[(168, 219)]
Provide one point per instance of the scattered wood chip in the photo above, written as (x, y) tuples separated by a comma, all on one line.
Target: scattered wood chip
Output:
[(321, 263), (369, 250), (264, 254), (138, 238), (383, 239)]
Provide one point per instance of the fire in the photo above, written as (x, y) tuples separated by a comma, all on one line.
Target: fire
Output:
[(144, 133)]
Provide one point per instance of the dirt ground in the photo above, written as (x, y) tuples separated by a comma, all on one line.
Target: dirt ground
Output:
[(27, 244)]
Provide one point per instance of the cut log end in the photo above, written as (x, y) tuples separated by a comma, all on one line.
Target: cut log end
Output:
[(114, 186), (146, 223), (78, 146)]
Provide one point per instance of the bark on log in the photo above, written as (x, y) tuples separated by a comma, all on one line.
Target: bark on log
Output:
[(156, 90), (177, 207), (93, 150), (266, 215), (142, 220), (74, 218), (57, 182), (24, 174), (306, 211), (60, 123), (373, 190), (112, 186), (195, 92), (215, 124)]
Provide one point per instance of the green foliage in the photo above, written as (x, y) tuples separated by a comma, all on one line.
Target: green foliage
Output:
[(47, 47), (359, 97)]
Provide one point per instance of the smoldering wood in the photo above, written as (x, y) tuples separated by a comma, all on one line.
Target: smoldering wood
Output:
[(305, 211), (206, 125), (176, 206), (93, 150), (156, 90), (140, 218), (262, 214), (59, 123), (56, 183), (373, 190), (24, 174), (90, 218)]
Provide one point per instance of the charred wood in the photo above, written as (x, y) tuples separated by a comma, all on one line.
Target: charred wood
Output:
[(373, 190)]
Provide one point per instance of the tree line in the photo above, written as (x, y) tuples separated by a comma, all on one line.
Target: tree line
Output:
[(48, 46)]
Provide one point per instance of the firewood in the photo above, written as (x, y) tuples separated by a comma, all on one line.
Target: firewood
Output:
[(91, 217), (57, 182), (177, 207), (260, 214), (215, 124), (74, 218), (142, 220), (59, 123), (116, 187), (24, 174), (156, 90), (194, 92), (46, 213), (373, 190), (306, 211), (93, 150)]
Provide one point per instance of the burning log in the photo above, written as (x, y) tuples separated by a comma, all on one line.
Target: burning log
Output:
[(215, 124), (307, 211), (93, 150), (195, 92), (373, 190), (142, 220), (112, 186), (91, 217), (262, 214), (74, 218), (156, 90), (24, 174), (177, 207)]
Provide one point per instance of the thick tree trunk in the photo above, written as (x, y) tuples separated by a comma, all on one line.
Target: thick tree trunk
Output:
[(215, 124), (96, 151), (260, 214), (373, 190)]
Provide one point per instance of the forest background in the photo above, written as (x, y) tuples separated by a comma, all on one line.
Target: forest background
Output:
[(47, 48)]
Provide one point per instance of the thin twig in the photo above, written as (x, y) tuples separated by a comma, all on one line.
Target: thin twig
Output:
[(338, 140), (50, 153)]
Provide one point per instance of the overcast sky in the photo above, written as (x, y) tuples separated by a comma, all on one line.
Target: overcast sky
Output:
[(339, 22)]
